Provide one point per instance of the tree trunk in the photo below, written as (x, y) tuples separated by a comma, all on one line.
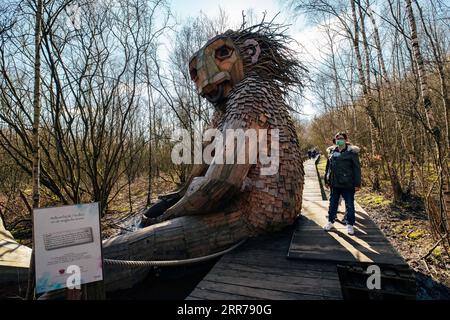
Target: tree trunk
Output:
[(436, 213), (368, 101), (440, 60), (378, 141), (150, 133), (393, 174), (37, 114), (426, 101)]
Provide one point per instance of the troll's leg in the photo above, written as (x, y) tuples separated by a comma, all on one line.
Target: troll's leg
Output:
[(176, 239)]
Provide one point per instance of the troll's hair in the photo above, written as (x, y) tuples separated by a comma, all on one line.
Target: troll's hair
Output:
[(277, 62)]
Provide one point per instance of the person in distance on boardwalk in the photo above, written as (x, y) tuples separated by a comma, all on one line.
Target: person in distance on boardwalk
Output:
[(343, 177)]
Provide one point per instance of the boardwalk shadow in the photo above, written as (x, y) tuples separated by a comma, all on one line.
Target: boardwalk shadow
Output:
[(368, 244), (429, 289)]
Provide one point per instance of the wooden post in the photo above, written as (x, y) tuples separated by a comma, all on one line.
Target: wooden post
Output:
[(73, 294), (94, 291), (90, 291)]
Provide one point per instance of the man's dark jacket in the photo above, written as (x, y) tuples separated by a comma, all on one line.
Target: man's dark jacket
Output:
[(344, 170)]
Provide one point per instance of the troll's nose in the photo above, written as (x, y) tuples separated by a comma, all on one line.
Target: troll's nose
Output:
[(209, 74), (212, 81), (209, 88)]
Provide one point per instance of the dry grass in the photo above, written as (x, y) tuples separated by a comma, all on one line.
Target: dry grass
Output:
[(120, 208), (407, 228)]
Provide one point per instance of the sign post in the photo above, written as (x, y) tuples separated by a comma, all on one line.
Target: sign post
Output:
[(68, 249)]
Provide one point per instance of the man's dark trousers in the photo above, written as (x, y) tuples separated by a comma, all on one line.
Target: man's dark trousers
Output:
[(349, 197)]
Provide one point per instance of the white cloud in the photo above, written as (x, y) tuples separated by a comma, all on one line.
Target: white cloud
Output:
[(233, 8)]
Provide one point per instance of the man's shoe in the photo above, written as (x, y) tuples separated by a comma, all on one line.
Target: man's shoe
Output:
[(328, 226), (350, 230)]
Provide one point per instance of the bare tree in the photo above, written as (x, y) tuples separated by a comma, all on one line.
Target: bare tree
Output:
[(36, 122)]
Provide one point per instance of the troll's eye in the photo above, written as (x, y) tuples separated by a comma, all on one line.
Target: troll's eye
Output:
[(193, 73), (192, 68), (223, 52)]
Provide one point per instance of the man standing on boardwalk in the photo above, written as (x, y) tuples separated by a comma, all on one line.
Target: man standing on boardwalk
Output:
[(343, 176)]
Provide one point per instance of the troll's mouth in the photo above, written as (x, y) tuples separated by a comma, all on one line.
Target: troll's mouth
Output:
[(215, 95)]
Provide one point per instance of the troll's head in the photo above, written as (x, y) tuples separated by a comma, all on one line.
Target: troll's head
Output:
[(228, 58)]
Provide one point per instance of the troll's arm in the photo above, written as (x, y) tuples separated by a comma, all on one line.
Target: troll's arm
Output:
[(208, 193)]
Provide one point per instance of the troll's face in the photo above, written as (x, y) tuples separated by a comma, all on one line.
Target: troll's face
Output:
[(218, 67)]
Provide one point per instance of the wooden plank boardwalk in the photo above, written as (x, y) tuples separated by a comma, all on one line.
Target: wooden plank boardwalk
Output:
[(259, 270), (300, 262), (368, 244), (311, 187)]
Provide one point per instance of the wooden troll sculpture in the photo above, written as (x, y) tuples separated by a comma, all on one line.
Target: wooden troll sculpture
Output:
[(245, 74)]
